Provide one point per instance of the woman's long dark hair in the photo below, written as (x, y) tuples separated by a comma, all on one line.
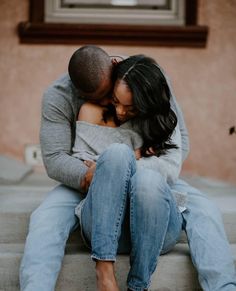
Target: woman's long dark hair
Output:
[(155, 120)]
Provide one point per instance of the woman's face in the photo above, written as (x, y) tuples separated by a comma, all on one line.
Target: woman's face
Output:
[(122, 99)]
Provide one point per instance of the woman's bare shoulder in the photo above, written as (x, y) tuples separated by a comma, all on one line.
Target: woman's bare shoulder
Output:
[(91, 113)]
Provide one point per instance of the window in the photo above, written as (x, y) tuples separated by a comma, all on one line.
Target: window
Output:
[(128, 22), (141, 12)]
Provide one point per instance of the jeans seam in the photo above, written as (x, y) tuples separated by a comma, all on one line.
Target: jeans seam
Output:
[(161, 245), (131, 214), (120, 212), (154, 263), (118, 223)]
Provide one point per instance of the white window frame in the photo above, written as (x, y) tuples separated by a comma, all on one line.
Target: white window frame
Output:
[(56, 13)]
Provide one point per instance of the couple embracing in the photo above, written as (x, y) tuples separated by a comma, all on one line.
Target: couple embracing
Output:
[(113, 134)]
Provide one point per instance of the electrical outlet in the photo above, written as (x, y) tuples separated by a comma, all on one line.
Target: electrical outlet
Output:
[(33, 155)]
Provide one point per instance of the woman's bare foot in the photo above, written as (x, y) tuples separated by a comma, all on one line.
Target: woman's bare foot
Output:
[(106, 280)]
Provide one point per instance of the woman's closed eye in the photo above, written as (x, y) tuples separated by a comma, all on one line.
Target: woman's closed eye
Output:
[(128, 108)]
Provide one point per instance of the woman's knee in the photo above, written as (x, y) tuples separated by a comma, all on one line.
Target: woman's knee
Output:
[(150, 181), (117, 154), (150, 188)]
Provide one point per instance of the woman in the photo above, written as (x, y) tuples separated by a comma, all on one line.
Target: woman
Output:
[(97, 127), (138, 213)]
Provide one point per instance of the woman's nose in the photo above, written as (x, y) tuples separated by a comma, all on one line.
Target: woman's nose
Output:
[(120, 110)]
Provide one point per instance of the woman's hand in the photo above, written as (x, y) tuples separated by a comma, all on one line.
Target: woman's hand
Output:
[(150, 151), (137, 154), (86, 181)]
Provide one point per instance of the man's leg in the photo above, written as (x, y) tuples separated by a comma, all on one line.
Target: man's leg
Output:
[(50, 226), (155, 224), (209, 248)]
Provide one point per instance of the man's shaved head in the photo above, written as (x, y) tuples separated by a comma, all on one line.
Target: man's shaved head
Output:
[(89, 68)]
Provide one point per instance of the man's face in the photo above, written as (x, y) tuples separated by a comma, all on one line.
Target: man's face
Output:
[(102, 95)]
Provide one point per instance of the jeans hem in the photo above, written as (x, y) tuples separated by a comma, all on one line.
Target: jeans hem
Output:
[(135, 288), (103, 258)]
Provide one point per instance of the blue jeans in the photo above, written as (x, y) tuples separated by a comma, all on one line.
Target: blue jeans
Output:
[(209, 248), (54, 220), (118, 188)]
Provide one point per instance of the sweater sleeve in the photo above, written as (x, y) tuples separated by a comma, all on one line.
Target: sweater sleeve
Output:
[(182, 126), (168, 165), (56, 140)]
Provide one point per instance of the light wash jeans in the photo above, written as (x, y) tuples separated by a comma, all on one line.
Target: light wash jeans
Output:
[(53, 221), (116, 189), (209, 247)]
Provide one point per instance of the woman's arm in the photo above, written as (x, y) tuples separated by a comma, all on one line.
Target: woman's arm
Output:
[(182, 126)]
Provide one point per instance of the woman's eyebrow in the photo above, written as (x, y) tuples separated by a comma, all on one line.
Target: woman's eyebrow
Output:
[(117, 100)]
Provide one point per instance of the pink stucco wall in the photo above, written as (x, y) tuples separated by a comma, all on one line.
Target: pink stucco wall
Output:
[(204, 82)]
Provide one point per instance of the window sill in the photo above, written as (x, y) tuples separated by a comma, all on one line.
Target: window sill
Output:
[(169, 36)]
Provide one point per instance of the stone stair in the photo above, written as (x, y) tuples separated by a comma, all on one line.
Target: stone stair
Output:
[(175, 271)]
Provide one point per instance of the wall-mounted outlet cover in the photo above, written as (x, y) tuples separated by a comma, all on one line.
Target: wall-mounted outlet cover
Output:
[(33, 155)]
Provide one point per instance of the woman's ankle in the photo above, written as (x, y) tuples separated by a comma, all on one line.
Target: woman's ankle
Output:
[(105, 273)]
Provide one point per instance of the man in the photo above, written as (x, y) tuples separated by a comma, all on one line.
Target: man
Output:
[(90, 71)]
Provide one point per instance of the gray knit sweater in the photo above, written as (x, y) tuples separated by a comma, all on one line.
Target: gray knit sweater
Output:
[(91, 140), (60, 107)]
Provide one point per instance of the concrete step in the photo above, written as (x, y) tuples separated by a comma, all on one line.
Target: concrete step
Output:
[(175, 271), (18, 201)]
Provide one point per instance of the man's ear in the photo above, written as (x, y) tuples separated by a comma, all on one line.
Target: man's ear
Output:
[(114, 61)]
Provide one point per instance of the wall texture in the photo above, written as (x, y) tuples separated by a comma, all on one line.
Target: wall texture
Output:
[(204, 81)]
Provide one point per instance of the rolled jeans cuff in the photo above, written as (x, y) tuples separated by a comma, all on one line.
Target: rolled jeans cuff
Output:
[(103, 258), (135, 288)]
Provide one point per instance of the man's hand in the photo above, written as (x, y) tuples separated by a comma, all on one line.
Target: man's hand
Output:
[(86, 181)]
